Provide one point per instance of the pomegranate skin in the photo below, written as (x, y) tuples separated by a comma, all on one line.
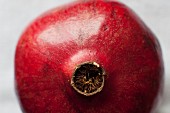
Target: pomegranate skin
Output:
[(105, 32)]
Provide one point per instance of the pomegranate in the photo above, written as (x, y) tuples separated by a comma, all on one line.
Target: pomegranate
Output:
[(90, 56)]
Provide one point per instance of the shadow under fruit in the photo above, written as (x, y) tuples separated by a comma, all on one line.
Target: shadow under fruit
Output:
[(91, 56)]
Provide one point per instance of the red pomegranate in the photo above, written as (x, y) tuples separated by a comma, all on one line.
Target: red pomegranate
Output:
[(91, 56)]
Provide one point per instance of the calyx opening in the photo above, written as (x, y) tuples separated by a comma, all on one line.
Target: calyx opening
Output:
[(88, 78)]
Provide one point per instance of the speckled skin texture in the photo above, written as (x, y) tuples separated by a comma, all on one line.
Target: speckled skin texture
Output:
[(105, 32)]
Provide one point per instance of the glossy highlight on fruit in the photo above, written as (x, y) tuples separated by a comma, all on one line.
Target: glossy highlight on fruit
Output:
[(91, 56)]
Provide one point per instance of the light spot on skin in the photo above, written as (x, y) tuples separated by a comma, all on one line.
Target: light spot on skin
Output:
[(81, 56), (78, 29)]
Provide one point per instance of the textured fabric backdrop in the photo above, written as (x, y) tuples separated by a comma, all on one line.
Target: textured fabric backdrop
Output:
[(15, 15)]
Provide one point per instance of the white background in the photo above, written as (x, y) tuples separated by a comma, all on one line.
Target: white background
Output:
[(15, 15)]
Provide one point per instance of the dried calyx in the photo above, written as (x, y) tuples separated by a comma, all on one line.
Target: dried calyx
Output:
[(88, 78)]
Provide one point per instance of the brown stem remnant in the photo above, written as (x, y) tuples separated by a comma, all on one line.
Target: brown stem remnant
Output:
[(88, 78)]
